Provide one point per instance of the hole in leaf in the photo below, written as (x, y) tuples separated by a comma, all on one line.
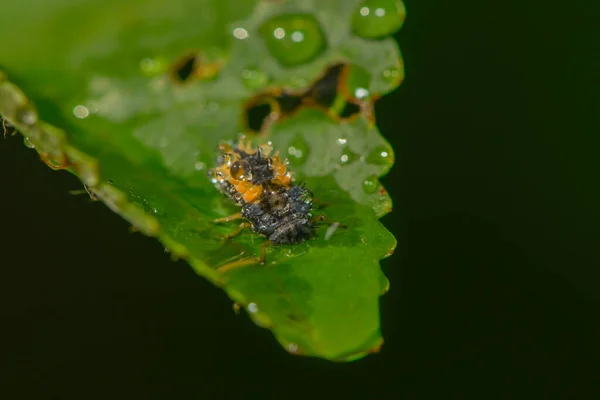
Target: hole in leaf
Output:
[(256, 115), (185, 68), (325, 90), (289, 103), (350, 110)]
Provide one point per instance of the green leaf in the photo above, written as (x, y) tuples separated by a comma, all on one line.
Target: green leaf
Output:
[(91, 86)]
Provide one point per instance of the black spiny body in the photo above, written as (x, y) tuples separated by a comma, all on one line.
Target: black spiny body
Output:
[(282, 214), (275, 207)]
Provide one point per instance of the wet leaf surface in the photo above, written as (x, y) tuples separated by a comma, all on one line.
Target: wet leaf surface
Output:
[(134, 99)]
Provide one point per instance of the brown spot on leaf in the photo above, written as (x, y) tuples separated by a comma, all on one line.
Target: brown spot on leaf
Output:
[(192, 66)]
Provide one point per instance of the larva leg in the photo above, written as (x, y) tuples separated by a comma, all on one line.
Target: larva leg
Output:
[(239, 230), (229, 218)]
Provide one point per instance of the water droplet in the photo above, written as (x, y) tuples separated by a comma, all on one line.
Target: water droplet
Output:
[(292, 348), (156, 209), (153, 66), (342, 141), (240, 33), (27, 116), (298, 150), (293, 39), (294, 152), (199, 166), (27, 143), (254, 78), (348, 157), (252, 307), (361, 93), (380, 155), (81, 112), (393, 75), (357, 82), (378, 18), (370, 185)]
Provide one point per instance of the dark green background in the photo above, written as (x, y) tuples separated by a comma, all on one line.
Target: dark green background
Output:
[(494, 284)]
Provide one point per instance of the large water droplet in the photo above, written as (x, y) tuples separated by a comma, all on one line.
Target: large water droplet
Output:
[(293, 39), (298, 150), (378, 18), (254, 78), (370, 184), (380, 155)]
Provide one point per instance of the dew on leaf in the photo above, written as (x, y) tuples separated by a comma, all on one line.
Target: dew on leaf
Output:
[(393, 75), (292, 348), (27, 116), (357, 83), (81, 112), (348, 157), (298, 150), (254, 78), (28, 143), (370, 184), (293, 38), (155, 208), (240, 33), (380, 155), (378, 18)]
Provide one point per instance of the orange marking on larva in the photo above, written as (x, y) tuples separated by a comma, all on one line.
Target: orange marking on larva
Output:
[(251, 195), (279, 169), (283, 180), (241, 186), (245, 145)]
